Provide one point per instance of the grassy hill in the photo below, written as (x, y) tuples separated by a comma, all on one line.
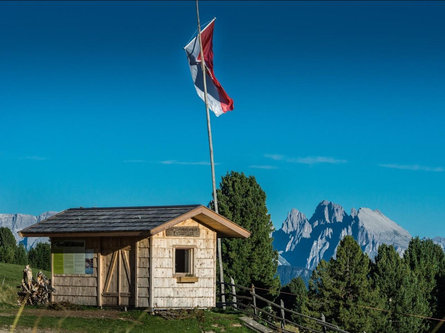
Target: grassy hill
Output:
[(10, 277), (11, 274), (90, 319)]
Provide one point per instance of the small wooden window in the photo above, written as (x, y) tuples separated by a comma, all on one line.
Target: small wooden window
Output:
[(183, 261)]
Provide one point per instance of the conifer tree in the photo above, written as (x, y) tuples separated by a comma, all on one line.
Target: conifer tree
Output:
[(40, 256), (340, 289), (295, 297), (427, 261), (398, 290), (440, 312), (20, 256), (6, 237), (252, 260), (7, 245)]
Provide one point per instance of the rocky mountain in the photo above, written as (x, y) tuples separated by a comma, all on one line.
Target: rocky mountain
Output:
[(17, 222), (302, 243), (440, 241)]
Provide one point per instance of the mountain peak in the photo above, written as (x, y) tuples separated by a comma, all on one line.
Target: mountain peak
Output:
[(327, 212), (377, 223), (353, 212), (304, 243), (295, 220)]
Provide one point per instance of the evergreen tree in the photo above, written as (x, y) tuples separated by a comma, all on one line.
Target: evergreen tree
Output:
[(398, 289), (7, 254), (7, 245), (20, 256), (6, 237), (440, 313), (341, 290), (295, 298), (251, 260), (40, 256), (427, 261)]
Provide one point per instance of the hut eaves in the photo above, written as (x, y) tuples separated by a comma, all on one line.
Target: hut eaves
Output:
[(130, 221)]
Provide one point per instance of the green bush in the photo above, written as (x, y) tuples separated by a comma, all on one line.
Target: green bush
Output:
[(40, 256)]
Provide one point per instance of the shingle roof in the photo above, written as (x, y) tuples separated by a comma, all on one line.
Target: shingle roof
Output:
[(113, 219)]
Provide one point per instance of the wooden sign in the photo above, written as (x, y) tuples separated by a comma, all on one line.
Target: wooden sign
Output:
[(183, 231)]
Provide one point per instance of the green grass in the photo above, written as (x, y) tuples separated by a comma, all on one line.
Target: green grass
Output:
[(12, 274), (132, 321), (10, 277), (82, 319)]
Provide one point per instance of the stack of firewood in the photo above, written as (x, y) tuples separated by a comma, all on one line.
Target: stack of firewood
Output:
[(34, 291)]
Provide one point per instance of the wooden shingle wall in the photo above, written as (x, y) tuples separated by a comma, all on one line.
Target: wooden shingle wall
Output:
[(143, 281), (78, 288), (167, 291)]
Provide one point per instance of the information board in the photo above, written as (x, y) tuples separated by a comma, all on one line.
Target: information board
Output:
[(70, 257)]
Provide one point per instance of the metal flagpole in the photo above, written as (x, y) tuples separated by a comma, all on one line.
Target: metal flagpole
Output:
[(212, 163)]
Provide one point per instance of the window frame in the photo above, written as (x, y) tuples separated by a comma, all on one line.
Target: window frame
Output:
[(192, 250)]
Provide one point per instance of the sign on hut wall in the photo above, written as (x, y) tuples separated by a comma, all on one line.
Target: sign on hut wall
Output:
[(70, 257), (183, 231)]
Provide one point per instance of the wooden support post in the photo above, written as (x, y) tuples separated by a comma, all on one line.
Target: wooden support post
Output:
[(151, 275), (255, 312), (323, 319), (215, 281), (136, 265), (223, 295), (221, 273), (235, 305), (283, 315), (119, 270), (99, 273), (52, 270)]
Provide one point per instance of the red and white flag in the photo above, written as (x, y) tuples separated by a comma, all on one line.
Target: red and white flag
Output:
[(218, 100)]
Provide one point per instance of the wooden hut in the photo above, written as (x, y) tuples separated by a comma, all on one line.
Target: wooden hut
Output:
[(151, 257)]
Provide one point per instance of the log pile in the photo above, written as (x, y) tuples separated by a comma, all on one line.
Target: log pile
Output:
[(34, 291)]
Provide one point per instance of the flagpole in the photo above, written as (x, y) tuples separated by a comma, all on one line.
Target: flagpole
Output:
[(212, 163)]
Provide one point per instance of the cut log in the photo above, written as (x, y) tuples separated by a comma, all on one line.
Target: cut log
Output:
[(34, 291)]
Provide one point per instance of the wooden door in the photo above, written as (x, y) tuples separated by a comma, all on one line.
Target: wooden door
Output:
[(118, 271)]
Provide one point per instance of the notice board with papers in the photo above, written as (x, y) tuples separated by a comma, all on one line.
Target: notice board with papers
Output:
[(71, 257)]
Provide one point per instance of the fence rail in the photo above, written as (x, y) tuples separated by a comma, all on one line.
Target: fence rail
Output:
[(277, 319)]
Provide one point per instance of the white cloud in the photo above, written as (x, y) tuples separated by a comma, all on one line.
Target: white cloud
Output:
[(275, 157), (170, 162), (414, 167), (34, 158), (316, 160), (174, 162), (135, 161), (264, 167), (309, 160)]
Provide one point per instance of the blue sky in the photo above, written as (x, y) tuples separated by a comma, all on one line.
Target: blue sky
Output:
[(341, 101)]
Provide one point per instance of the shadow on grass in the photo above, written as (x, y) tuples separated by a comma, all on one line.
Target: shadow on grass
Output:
[(135, 321)]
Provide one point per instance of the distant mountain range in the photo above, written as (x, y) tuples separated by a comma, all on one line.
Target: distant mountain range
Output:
[(302, 243), (17, 222)]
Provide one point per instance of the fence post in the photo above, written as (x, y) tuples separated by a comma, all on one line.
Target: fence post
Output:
[(323, 319), (255, 312), (283, 315), (235, 305), (223, 295)]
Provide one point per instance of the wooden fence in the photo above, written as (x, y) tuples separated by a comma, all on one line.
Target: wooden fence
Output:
[(276, 316)]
